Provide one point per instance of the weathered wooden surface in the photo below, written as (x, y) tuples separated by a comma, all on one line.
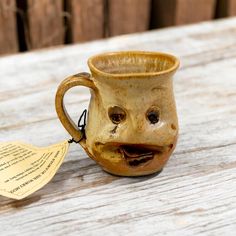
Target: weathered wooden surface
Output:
[(8, 31), (86, 21), (196, 192), (127, 16), (179, 12), (45, 25)]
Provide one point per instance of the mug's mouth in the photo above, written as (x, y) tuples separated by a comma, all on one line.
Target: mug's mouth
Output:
[(136, 64), (136, 155)]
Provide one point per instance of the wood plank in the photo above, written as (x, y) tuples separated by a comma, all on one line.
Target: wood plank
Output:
[(179, 12), (45, 23), (192, 11), (226, 8), (8, 30), (159, 40), (86, 21), (232, 8), (127, 16), (194, 195)]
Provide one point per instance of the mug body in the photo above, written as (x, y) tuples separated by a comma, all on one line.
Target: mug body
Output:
[(132, 125)]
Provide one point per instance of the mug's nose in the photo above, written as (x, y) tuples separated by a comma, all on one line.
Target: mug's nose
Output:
[(139, 124), (139, 127)]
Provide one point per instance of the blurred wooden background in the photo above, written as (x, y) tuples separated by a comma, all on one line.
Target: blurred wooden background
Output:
[(32, 24)]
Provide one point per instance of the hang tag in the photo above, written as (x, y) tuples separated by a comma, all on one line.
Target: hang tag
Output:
[(24, 168)]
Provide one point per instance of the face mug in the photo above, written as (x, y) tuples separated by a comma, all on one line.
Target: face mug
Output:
[(132, 125)]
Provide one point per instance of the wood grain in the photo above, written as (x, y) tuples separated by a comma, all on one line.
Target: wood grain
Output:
[(179, 12), (8, 30), (44, 23), (86, 21), (127, 16), (194, 195)]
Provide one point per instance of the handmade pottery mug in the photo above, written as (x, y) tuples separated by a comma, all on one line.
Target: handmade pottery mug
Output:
[(132, 125)]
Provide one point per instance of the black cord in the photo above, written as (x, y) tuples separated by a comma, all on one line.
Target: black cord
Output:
[(80, 126)]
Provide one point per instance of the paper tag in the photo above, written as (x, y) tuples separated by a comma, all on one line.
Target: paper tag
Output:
[(24, 168)]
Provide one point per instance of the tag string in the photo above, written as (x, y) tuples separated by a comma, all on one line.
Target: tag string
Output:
[(81, 127)]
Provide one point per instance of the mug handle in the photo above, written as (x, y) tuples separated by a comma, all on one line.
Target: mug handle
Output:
[(80, 79)]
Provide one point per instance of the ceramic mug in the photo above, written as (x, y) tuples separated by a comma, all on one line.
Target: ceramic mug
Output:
[(132, 125)]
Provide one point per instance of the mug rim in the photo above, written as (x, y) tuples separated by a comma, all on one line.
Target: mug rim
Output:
[(95, 70)]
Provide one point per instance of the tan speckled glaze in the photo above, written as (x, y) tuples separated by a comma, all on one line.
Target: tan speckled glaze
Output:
[(127, 90)]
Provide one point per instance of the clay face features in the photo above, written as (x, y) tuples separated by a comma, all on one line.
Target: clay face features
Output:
[(135, 133), (135, 154)]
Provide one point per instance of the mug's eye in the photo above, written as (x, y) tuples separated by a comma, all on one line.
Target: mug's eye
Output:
[(153, 115), (116, 114)]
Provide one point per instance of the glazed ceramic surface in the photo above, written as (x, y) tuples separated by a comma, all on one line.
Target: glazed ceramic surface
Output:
[(132, 125)]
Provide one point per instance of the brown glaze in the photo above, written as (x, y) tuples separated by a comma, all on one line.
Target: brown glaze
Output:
[(132, 125)]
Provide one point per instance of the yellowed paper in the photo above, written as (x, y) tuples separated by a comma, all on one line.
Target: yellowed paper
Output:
[(24, 168)]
